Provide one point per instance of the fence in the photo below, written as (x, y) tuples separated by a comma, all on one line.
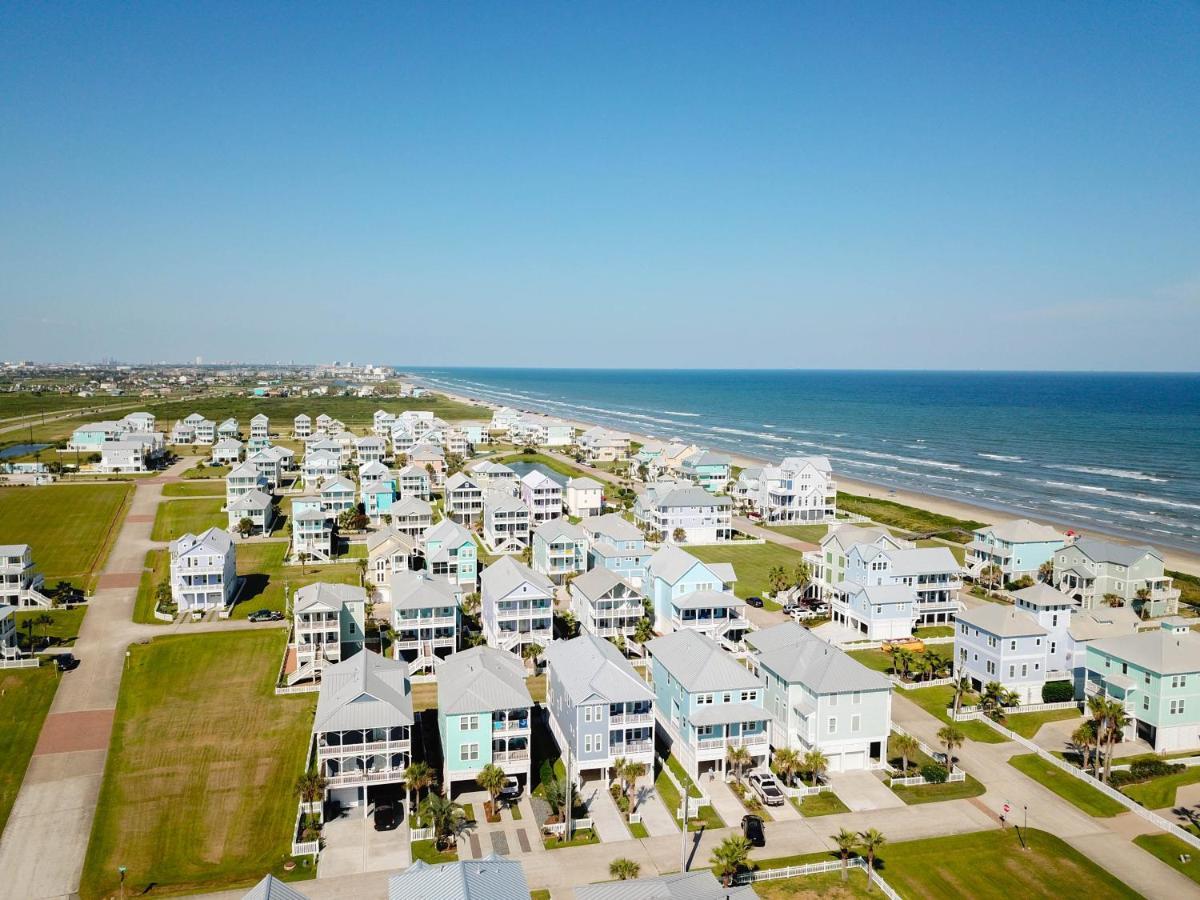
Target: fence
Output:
[(914, 780), (917, 685), (1152, 817), (557, 828), (23, 662), (422, 834), (693, 802), (299, 847), (816, 868), (924, 747), (969, 713)]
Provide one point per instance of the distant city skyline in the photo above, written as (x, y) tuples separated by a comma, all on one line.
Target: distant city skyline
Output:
[(998, 187)]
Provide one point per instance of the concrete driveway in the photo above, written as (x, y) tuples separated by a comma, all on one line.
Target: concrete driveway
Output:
[(724, 801), (352, 846), (606, 818), (863, 791), (655, 816)]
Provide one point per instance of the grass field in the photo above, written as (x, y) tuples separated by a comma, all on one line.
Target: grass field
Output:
[(917, 794), (262, 565), (1168, 848), (1028, 724), (909, 518), (282, 410), (827, 885), (69, 527), (61, 632), (751, 563), (1159, 793), (158, 565), (179, 517), (206, 471), (194, 489), (934, 700), (810, 533), (198, 792), (25, 697), (1070, 788), (826, 803)]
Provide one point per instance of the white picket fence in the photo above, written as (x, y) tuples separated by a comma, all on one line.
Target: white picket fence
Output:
[(924, 747), (299, 847), (816, 868), (584, 824), (970, 713), (917, 685), (20, 662), (1152, 817), (421, 834), (914, 780)]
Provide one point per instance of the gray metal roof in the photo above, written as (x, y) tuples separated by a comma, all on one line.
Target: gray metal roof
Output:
[(706, 599), (482, 679), (411, 506), (671, 563), (583, 483), (1163, 652), (798, 656), (1110, 551), (214, 540), (412, 590), (595, 583), (506, 574), (591, 667), (699, 884), (329, 596), (390, 539), (1022, 531), (490, 878), (699, 664), (251, 500), (365, 691), (1002, 621), (271, 888), (685, 495), (1043, 595), (724, 713), (612, 526), (559, 529)]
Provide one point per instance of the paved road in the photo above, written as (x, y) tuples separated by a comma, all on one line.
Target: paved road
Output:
[(44, 844)]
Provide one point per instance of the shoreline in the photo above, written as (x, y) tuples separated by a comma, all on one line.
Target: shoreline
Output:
[(1173, 558)]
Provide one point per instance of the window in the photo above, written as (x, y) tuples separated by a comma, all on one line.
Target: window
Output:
[(832, 725), (833, 699), (704, 699), (749, 696), (468, 752), (1052, 646), (1145, 701), (855, 723), (1024, 670), (1012, 671), (1012, 645), (1146, 677), (468, 723), (587, 743), (587, 714)]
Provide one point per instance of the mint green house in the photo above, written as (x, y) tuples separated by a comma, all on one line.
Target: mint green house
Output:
[(484, 715), (1156, 674), (708, 469)]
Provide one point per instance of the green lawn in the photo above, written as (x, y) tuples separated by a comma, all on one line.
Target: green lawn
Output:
[(915, 795), (638, 830), (751, 563), (427, 852), (1159, 793), (1028, 724), (873, 659), (179, 517), (827, 885), (934, 700), (826, 803), (158, 569), (262, 565), (69, 527), (1067, 786), (61, 632), (932, 631), (198, 791), (194, 489), (909, 518), (1168, 848), (205, 470), (705, 816), (25, 697), (810, 533)]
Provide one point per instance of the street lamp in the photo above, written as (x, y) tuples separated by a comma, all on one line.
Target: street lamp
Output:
[(121, 871)]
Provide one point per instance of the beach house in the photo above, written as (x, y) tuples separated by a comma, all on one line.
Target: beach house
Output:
[(426, 620), (707, 468), (517, 606), (1156, 675), (260, 431), (603, 445), (827, 566), (9, 647), (269, 464), (506, 522), (669, 463), (605, 604), (559, 549), (371, 472), (1018, 548), (382, 422), (450, 552), (493, 476), (705, 702), (228, 429), (688, 594), (390, 550), (181, 433), (329, 622), (542, 494), (203, 571), (337, 495), (685, 513), (431, 459), (698, 884), (227, 452), (91, 437), (377, 498), (819, 698), (503, 419), (206, 431), (21, 584), (484, 715), (143, 422), (312, 528), (370, 449), (616, 544), (584, 497), (320, 465), (932, 573), (1002, 644), (256, 505), (800, 489), (463, 498), (412, 481), (491, 878), (124, 456), (302, 427), (598, 707), (362, 731), (412, 516), (1093, 571)]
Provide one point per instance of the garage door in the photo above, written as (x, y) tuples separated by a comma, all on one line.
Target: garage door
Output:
[(854, 761), (835, 762)]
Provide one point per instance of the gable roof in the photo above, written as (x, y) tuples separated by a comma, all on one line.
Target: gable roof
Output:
[(1022, 531), (482, 679), (271, 888), (699, 664), (251, 500), (612, 526), (592, 667), (415, 590), (411, 506), (490, 878), (798, 656), (214, 540), (584, 483), (846, 536), (1162, 652), (670, 563), (559, 529), (1042, 595), (595, 583), (675, 495), (1002, 621), (506, 574), (365, 691), (1110, 551), (699, 884), (330, 596)]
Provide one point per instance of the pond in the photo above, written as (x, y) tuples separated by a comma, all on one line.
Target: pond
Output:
[(21, 450)]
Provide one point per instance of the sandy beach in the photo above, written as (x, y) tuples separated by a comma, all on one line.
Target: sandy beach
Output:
[(1176, 560)]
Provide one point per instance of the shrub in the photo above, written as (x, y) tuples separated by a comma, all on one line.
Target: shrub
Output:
[(1153, 768), (1057, 691), (934, 773), (1121, 777)]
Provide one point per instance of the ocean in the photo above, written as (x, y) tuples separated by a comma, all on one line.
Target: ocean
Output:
[(1118, 452)]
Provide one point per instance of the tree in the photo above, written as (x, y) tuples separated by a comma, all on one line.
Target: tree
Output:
[(1046, 571), (679, 535), (816, 764), (311, 786), (362, 571), (554, 792), (951, 739), (623, 869), (444, 816), (738, 759), (787, 763), (1083, 738), (419, 776), (527, 554), (729, 858), (245, 526), (570, 623), (1114, 600), (304, 557), (906, 745), (470, 604), (802, 575), (991, 576), (491, 778), (962, 687), (1116, 721), (643, 631), (994, 698), (847, 843), (777, 577), (871, 840), (627, 772), (45, 620), (531, 652)]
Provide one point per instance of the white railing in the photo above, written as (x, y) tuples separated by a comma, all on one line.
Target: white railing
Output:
[(914, 780), (422, 834), (557, 828), (299, 847), (370, 747), (804, 790), (921, 745), (917, 685), (816, 868), (509, 755), (967, 713), (738, 741), (631, 747), (1112, 793), (355, 778), (646, 718), (310, 688), (24, 662)]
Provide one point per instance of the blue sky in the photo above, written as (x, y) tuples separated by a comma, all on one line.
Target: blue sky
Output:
[(879, 185)]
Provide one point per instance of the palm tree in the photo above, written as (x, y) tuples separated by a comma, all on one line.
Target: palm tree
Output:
[(962, 687), (787, 763), (304, 557), (871, 840), (45, 620), (245, 526), (816, 764), (554, 792), (311, 786), (491, 778), (623, 869), (471, 603), (991, 701), (802, 575), (531, 652), (444, 816), (991, 575), (906, 745), (679, 535), (627, 772), (738, 758), (1082, 738), (847, 843), (418, 776), (951, 739), (1118, 721), (643, 631), (729, 857), (777, 577)]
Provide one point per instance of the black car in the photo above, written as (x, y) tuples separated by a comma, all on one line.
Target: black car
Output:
[(266, 615), (385, 815), (755, 601), (753, 831), (66, 662)]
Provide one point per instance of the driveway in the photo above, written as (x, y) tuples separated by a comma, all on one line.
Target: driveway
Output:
[(655, 816), (353, 846), (724, 801), (606, 818), (863, 791)]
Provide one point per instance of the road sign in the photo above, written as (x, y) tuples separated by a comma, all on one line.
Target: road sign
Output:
[(1007, 808)]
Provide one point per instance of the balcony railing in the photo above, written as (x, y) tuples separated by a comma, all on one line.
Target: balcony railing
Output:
[(510, 725), (746, 740), (356, 778), (646, 718), (629, 748), (327, 750), (502, 756)]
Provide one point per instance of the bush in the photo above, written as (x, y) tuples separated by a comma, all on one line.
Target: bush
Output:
[(1120, 778), (1153, 768), (934, 774), (1058, 691)]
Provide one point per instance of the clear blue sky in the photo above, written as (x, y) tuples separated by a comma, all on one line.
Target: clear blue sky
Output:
[(958, 185)]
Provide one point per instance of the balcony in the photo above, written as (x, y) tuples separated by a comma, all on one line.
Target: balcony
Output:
[(325, 751), (759, 739), (504, 756), (646, 718), (360, 778), (510, 726), (631, 748)]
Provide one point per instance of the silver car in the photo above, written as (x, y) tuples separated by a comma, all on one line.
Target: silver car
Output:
[(767, 788)]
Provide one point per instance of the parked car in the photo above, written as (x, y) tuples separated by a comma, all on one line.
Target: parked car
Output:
[(767, 788), (756, 602), (266, 615), (511, 790), (66, 661), (385, 815), (753, 831)]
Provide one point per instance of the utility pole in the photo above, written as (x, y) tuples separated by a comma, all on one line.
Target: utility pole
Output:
[(683, 842), (567, 812)]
